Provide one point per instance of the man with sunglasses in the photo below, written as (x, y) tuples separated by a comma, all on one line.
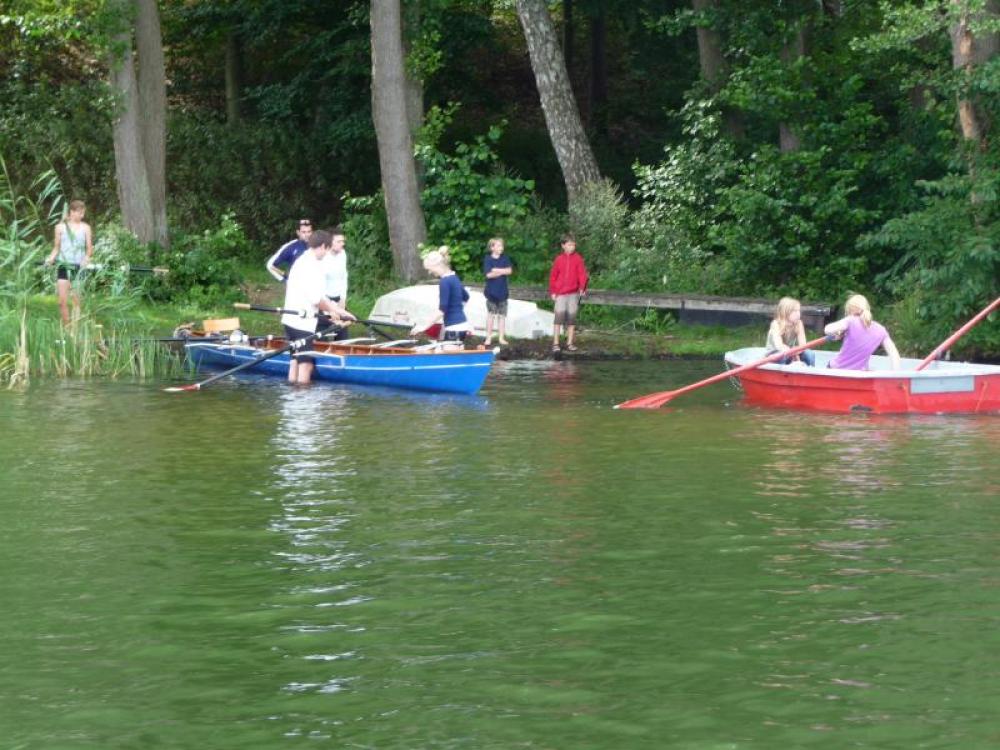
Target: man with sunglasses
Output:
[(290, 251)]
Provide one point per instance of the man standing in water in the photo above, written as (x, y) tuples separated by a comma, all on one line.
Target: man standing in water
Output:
[(306, 291), (74, 247), (288, 253)]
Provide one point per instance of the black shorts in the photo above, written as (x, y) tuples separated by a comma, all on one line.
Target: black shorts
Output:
[(454, 335), (68, 273), (294, 334)]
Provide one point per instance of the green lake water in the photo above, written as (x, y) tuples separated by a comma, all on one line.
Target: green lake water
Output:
[(257, 566)]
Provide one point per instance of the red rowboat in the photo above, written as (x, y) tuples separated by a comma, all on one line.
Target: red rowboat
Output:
[(942, 388)]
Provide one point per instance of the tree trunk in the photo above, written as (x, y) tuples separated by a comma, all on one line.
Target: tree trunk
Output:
[(562, 117), (599, 70), (710, 57), (414, 85), (234, 77), (152, 79), (568, 31), (130, 161), (793, 50), (395, 141), (969, 51), (713, 66)]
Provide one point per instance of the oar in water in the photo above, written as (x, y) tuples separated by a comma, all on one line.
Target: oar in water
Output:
[(656, 400), (431, 332), (949, 342), (298, 343)]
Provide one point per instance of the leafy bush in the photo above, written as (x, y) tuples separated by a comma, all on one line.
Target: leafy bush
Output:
[(467, 196), (949, 260), (203, 268), (598, 218), (369, 256)]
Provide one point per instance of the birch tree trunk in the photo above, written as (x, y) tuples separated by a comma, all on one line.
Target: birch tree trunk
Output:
[(562, 116), (139, 130), (152, 78), (130, 162), (395, 141)]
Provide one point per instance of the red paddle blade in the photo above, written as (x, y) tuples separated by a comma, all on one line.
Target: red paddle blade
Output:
[(652, 401), (434, 331), (179, 388)]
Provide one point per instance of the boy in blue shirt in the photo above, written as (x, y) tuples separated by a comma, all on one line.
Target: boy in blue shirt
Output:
[(496, 268)]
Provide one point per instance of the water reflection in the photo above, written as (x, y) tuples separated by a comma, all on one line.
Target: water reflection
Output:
[(312, 448)]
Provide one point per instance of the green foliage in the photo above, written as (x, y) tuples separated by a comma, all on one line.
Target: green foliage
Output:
[(467, 196), (203, 267), (949, 259), (366, 230), (598, 218)]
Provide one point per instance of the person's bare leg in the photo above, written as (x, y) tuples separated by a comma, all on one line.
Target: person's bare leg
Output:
[(75, 298), (489, 330), (62, 288), (570, 331), (502, 328), (305, 372), (555, 335), (293, 371)]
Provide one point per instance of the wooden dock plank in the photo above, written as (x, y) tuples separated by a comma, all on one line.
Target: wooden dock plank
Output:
[(694, 307)]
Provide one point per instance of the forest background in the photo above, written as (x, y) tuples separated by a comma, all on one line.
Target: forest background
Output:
[(738, 147)]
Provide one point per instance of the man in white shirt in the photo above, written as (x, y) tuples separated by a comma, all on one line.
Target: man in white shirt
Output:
[(336, 274), (306, 291)]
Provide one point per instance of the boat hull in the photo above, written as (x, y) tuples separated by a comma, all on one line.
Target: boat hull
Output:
[(944, 388), (438, 372)]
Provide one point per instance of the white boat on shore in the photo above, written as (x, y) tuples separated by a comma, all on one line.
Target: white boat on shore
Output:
[(414, 304)]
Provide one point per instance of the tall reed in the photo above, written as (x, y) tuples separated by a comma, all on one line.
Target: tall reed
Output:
[(33, 342)]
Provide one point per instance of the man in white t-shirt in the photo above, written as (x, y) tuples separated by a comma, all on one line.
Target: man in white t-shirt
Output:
[(335, 263), (306, 291)]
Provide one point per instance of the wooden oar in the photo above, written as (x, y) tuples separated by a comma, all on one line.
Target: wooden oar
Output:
[(948, 342), (246, 365), (431, 332), (656, 400), (156, 270)]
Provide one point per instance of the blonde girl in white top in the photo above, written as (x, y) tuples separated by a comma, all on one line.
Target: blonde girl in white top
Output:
[(787, 331), (73, 247)]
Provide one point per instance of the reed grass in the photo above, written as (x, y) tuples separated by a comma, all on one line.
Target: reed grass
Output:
[(43, 347), (33, 341)]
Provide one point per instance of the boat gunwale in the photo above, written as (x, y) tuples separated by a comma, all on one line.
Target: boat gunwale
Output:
[(939, 369), (352, 350)]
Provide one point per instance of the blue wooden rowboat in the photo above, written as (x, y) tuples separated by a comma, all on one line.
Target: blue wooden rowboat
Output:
[(419, 368)]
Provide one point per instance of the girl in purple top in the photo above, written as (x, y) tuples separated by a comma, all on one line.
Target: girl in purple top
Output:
[(862, 336)]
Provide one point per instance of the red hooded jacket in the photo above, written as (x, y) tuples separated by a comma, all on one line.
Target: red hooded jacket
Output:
[(568, 275)]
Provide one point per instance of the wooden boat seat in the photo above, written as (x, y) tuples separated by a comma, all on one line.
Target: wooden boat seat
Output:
[(393, 344)]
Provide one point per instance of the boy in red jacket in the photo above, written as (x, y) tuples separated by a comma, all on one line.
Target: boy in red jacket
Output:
[(567, 284)]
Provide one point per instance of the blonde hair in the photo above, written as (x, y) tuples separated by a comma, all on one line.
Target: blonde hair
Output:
[(493, 243), (440, 258), (857, 305), (786, 306)]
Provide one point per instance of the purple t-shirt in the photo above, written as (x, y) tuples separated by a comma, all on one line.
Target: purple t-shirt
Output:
[(859, 344)]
